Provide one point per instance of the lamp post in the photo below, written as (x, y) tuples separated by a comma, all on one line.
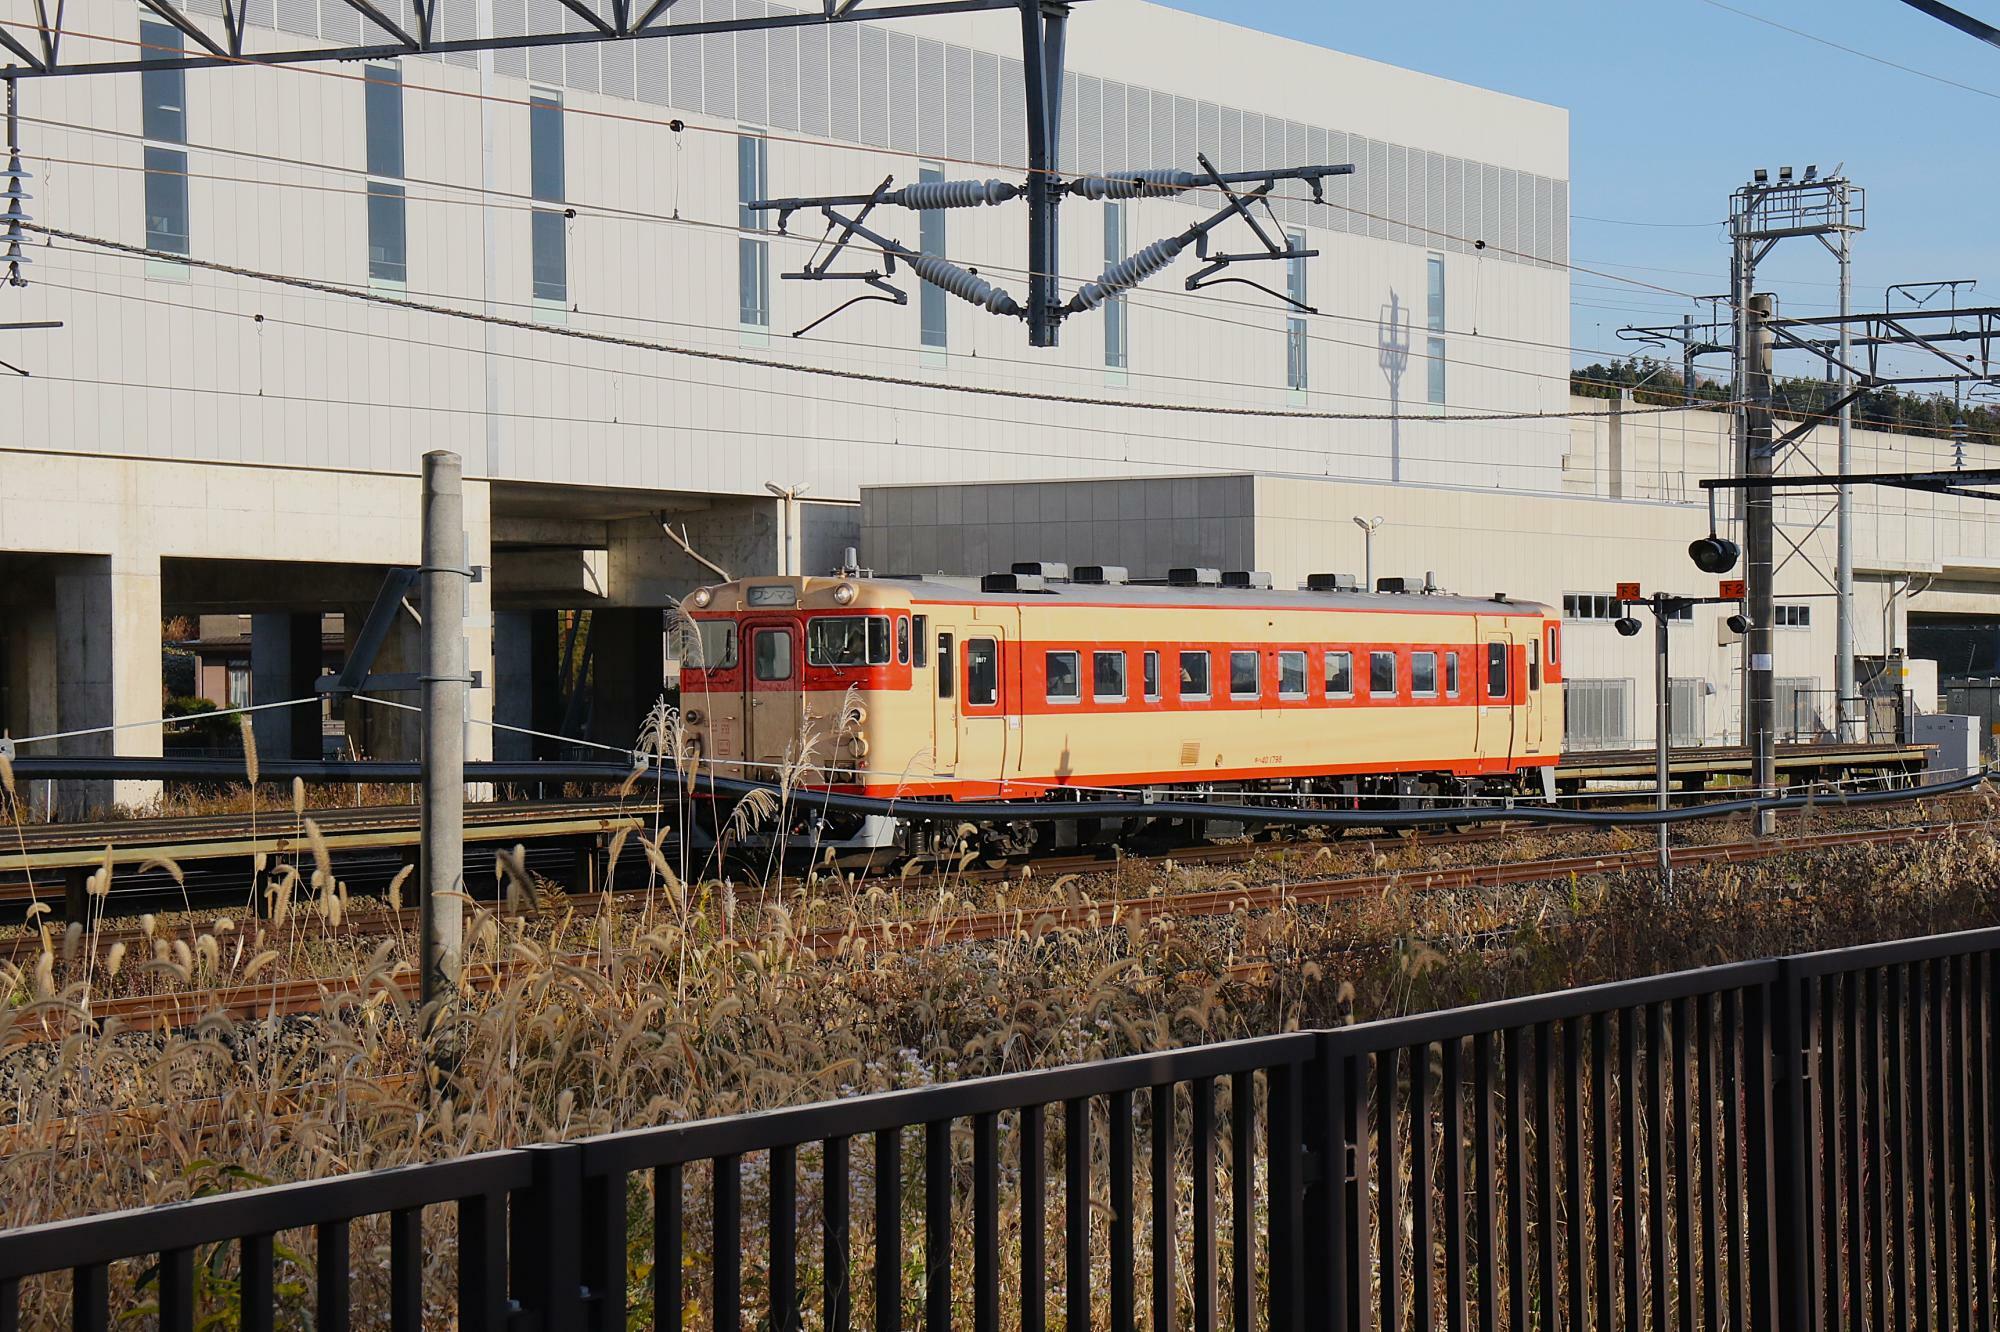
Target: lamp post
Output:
[(1368, 526), (790, 495)]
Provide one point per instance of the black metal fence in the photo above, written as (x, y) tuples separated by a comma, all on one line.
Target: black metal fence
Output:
[(1802, 1144)]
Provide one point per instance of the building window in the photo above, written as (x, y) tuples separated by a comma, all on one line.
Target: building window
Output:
[(1434, 321), (1059, 670), (546, 180), (163, 119), (1296, 368), (166, 200), (238, 690), (1340, 675), (1107, 677), (1680, 612), (1590, 606), (1792, 617), (164, 91), (753, 254), (388, 234), (551, 259), (1194, 675), (388, 240), (1116, 347), (931, 299), (1382, 674), (1243, 675)]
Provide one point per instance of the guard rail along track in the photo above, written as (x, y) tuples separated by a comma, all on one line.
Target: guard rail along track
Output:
[(1793, 1143)]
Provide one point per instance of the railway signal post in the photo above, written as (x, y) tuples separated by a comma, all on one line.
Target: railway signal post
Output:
[(1664, 608)]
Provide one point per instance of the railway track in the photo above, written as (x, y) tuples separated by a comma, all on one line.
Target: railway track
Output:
[(311, 994), (379, 924)]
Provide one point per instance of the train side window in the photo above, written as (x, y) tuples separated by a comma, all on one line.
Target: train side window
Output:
[(902, 640), (1423, 675), (919, 640), (1194, 675), (982, 673), (1152, 669), (1243, 670), (1534, 663), (1555, 641), (1451, 675), (1060, 673), (1107, 677), (1340, 675), (947, 678), (1291, 675), (1496, 672), (1382, 674)]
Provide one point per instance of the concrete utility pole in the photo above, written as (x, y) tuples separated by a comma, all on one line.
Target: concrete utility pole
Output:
[(445, 681), (1760, 698)]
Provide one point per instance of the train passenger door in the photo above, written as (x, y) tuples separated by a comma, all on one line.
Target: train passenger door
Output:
[(1497, 686), (944, 700), (771, 690), (1531, 709), (983, 720)]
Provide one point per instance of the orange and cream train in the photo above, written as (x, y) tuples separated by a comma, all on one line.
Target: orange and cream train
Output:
[(1021, 687)]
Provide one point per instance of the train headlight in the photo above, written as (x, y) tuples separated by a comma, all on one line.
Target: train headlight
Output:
[(693, 717), (844, 594), (702, 597), (858, 746)]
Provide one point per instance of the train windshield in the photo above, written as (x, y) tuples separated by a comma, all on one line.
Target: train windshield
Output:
[(848, 640), (712, 647)]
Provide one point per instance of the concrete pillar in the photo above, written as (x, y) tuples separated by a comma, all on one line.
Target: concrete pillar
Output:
[(375, 731), (107, 628), (284, 662), (628, 667), (513, 683)]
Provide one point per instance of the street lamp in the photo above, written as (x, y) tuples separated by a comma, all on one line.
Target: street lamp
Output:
[(1368, 526), (790, 495)]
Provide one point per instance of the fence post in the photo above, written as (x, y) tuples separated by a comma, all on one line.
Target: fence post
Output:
[(546, 1239), (1285, 1173), (1325, 1201), (1779, 1141)]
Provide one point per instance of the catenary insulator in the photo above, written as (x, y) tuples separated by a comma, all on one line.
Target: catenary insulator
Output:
[(1127, 273), (967, 286), (1153, 182), (953, 193)]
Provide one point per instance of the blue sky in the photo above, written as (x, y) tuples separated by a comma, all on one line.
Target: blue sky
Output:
[(1656, 93)]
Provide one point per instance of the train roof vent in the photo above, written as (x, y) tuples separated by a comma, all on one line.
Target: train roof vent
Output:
[(1397, 585), (1013, 582), (1332, 582), (1102, 574), (1194, 577), (1250, 578), (1500, 597), (1047, 570)]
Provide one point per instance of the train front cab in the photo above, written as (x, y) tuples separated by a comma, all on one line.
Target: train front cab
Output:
[(782, 680)]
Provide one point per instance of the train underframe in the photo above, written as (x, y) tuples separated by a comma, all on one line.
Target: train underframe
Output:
[(927, 829)]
